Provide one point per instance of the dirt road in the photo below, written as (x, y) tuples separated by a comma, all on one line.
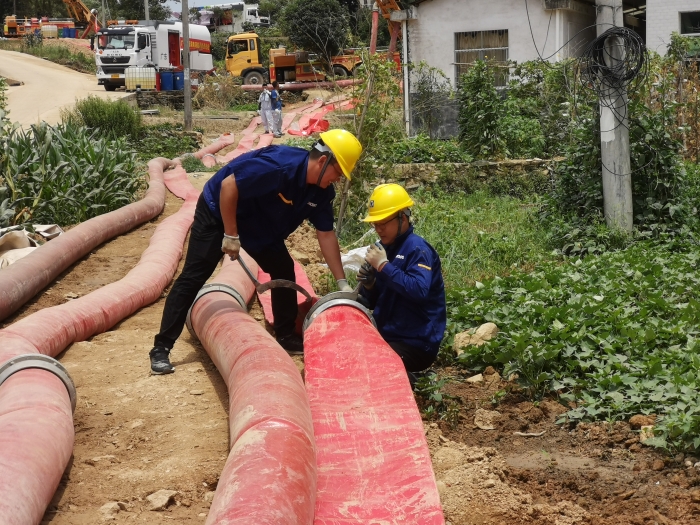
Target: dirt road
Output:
[(47, 88)]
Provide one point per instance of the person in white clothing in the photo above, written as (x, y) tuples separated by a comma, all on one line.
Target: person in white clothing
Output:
[(265, 109)]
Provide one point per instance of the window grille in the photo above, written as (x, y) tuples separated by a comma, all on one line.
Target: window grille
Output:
[(481, 45)]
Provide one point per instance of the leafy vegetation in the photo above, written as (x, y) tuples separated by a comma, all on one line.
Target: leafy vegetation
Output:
[(164, 140), (113, 118), (615, 334), (317, 26), (64, 174)]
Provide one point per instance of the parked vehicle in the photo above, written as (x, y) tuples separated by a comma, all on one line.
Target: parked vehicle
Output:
[(153, 44), (244, 59)]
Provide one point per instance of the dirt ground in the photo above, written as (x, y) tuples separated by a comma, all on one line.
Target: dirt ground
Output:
[(137, 434)]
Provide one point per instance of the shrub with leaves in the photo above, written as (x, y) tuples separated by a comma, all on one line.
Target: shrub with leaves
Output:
[(64, 175), (480, 112), (3, 94), (112, 118), (616, 334)]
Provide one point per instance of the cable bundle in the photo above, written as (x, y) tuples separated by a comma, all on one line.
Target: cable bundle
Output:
[(614, 62)]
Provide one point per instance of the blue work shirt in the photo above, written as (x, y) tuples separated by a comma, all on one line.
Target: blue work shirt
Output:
[(276, 102), (273, 196), (408, 296)]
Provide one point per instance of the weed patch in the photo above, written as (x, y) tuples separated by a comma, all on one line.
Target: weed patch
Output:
[(616, 335)]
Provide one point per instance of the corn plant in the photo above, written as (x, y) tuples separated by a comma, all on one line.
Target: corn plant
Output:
[(64, 175)]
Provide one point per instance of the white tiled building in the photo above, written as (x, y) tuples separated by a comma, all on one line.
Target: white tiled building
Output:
[(666, 16)]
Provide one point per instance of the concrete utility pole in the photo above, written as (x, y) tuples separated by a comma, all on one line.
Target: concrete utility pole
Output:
[(186, 64), (104, 24), (145, 6), (614, 131)]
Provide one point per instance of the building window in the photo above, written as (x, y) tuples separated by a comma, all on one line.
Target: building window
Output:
[(481, 45), (690, 23)]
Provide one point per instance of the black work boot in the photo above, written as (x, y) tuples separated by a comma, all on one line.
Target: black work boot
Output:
[(292, 343), (160, 361)]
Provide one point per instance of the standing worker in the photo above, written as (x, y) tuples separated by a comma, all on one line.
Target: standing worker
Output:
[(256, 201), (276, 109), (402, 280), (265, 108)]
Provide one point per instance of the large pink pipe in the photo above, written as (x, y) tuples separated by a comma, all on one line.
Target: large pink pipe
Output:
[(36, 424), (373, 460), (270, 475), (31, 274), (301, 86)]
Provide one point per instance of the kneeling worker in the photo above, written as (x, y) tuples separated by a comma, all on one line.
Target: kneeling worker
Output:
[(255, 202), (402, 281)]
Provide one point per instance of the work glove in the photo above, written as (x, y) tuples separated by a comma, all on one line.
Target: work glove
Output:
[(367, 276), (231, 245), (376, 256), (343, 285)]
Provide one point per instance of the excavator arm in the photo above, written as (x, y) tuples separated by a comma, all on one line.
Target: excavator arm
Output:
[(79, 12), (386, 7)]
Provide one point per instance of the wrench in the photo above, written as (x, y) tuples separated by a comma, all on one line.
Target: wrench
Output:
[(276, 283)]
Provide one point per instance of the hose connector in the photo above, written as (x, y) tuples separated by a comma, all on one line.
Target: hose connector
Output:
[(336, 299), (40, 362), (209, 288)]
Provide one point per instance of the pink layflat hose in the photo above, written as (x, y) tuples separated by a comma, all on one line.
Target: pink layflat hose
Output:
[(24, 279), (36, 423), (373, 460), (270, 475)]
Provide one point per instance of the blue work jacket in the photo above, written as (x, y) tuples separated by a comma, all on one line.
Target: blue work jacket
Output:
[(408, 297), (273, 196)]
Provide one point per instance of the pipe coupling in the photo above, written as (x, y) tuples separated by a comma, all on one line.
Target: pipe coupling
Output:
[(335, 299), (41, 362), (209, 288)]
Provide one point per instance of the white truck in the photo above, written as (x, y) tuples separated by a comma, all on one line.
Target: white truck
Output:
[(153, 44), (229, 18)]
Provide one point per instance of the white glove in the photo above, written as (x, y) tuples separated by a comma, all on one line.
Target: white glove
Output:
[(376, 256), (343, 285), (231, 245)]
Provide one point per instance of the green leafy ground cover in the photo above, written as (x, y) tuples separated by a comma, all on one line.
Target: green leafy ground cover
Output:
[(615, 334)]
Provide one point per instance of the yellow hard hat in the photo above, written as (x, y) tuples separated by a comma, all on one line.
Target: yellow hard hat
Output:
[(345, 147), (386, 199)]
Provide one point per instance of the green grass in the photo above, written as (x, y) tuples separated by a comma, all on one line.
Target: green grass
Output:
[(252, 106), (478, 235)]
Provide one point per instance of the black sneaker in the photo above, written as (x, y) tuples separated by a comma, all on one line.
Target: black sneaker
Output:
[(292, 343), (160, 361)]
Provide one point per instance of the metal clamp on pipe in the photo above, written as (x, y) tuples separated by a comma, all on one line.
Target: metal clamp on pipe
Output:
[(335, 299), (41, 362), (209, 288)]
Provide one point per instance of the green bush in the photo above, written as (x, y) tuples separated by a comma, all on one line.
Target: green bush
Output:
[(3, 94), (113, 118), (480, 112), (65, 175)]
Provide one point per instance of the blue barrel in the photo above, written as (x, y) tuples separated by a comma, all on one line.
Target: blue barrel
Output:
[(166, 81), (179, 80), (72, 32)]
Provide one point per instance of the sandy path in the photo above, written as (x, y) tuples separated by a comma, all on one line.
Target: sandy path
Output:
[(47, 88)]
